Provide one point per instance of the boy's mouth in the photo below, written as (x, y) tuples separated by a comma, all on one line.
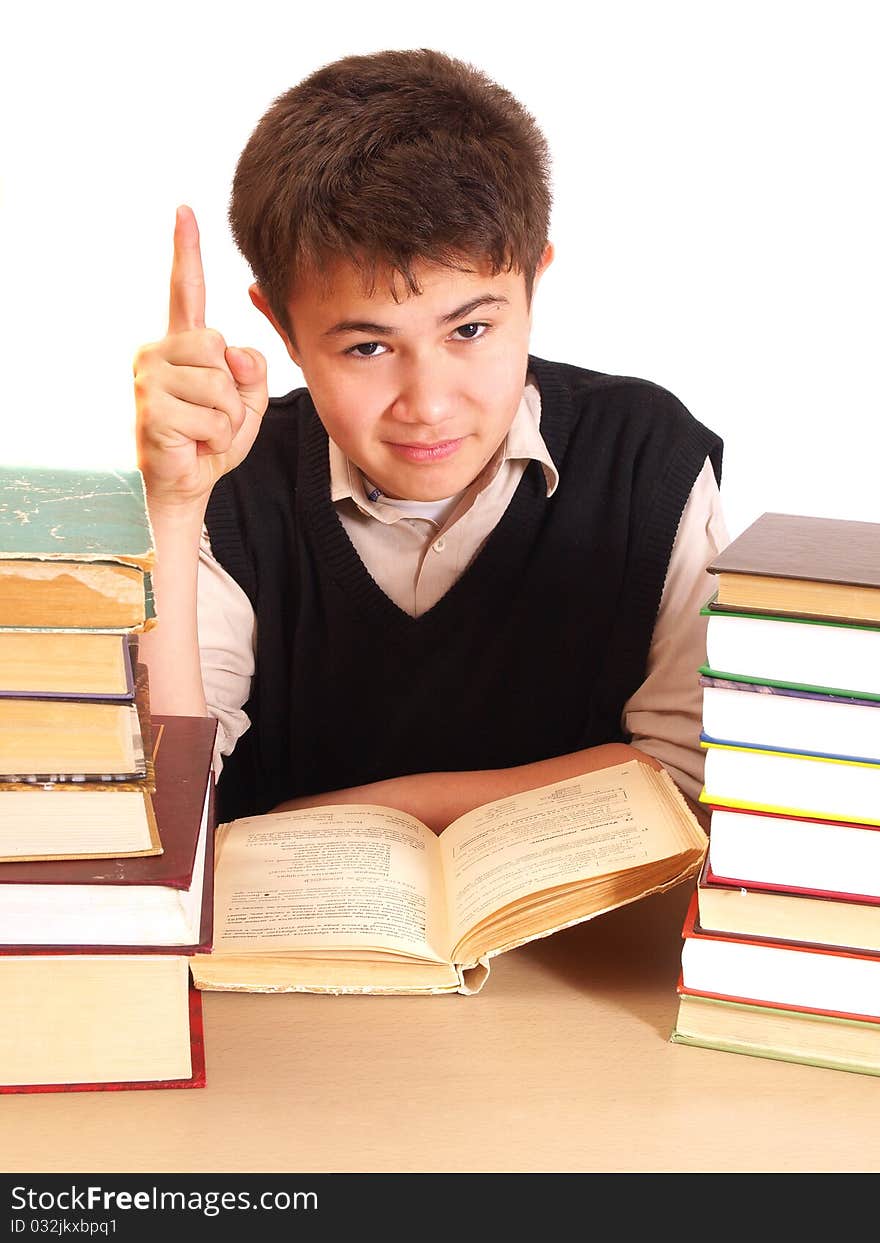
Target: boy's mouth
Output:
[(427, 453)]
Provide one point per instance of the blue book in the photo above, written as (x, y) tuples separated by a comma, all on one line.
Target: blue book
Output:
[(789, 718)]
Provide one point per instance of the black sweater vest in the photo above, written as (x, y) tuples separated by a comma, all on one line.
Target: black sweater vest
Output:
[(532, 653)]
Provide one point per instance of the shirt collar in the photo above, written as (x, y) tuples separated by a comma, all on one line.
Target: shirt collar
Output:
[(524, 439)]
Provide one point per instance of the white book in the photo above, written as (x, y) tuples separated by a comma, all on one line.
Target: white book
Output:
[(802, 854), (765, 716), (792, 783), (818, 978), (794, 650)]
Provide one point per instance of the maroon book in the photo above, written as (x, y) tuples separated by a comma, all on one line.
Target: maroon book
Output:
[(184, 806), (197, 1079)]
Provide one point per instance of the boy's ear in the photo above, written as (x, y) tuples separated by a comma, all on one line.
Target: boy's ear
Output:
[(544, 262), (261, 303)]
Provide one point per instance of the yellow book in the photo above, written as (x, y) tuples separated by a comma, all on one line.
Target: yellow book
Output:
[(792, 783)]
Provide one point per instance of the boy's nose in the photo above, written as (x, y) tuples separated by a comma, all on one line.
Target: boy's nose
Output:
[(423, 399)]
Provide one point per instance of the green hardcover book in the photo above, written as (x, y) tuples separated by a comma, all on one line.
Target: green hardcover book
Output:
[(810, 1037), (48, 513), (806, 653), (76, 549)]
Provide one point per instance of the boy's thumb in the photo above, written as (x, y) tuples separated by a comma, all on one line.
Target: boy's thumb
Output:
[(248, 369)]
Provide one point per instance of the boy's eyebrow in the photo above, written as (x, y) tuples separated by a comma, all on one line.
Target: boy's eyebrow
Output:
[(387, 330)]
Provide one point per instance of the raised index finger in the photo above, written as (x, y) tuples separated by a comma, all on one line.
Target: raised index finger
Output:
[(186, 304)]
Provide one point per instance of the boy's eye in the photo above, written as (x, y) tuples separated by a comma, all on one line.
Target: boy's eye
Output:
[(363, 345), (474, 336), (372, 346)]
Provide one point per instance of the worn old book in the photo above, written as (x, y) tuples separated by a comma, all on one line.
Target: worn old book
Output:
[(790, 719), (76, 1022), (66, 814), (792, 782), (810, 1037), (760, 848), (67, 595), (810, 566), (47, 740), (786, 913), (49, 664), (811, 975), (810, 655), (76, 549), (77, 820), (163, 900), (347, 899)]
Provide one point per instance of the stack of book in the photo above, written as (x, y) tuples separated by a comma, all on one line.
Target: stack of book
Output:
[(105, 812), (781, 954)]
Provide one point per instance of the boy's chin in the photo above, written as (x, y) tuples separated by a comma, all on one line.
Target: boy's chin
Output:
[(429, 482), (426, 485)]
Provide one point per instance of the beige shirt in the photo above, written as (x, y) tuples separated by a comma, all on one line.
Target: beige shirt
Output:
[(416, 550)]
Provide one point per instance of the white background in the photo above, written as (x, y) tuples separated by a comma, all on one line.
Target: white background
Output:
[(715, 219)]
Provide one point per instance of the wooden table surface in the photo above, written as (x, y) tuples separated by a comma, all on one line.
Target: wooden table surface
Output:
[(562, 1063)]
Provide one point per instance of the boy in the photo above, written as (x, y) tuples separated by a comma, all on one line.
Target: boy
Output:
[(446, 569)]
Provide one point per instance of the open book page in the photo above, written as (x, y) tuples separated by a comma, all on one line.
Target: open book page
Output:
[(585, 827), (355, 877)]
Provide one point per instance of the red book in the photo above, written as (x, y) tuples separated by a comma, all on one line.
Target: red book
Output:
[(196, 1078), (798, 852), (794, 974), (710, 878), (785, 913), (684, 991), (154, 903), (94, 965)]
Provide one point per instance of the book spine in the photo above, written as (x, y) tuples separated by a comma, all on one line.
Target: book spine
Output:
[(787, 690), (730, 744)]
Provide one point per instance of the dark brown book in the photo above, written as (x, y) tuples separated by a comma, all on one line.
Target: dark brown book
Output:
[(804, 566), (152, 903)]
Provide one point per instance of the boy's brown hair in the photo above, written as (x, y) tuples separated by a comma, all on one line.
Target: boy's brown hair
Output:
[(384, 160)]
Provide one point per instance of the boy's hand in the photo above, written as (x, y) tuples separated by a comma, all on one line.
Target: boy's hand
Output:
[(198, 402)]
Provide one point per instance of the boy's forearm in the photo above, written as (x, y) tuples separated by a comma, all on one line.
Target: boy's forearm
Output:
[(171, 648), (439, 798), (446, 796), (450, 795)]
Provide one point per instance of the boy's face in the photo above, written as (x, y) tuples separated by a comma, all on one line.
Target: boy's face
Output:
[(420, 393)]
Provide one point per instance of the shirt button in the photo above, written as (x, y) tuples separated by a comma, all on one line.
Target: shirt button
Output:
[(439, 544)]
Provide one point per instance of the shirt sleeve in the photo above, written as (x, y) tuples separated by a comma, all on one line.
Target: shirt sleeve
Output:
[(664, 715), (227, 636)]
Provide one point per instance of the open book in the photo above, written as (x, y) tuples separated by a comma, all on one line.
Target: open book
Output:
[(350, 899)]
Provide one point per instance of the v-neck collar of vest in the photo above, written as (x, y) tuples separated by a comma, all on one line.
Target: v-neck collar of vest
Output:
[(500, 557)]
